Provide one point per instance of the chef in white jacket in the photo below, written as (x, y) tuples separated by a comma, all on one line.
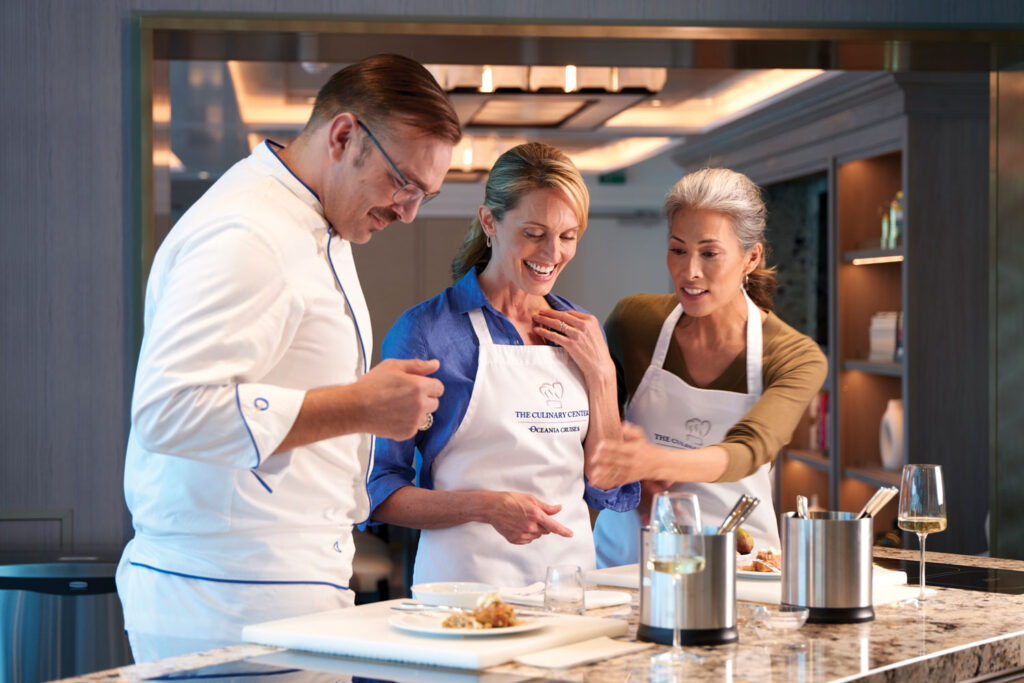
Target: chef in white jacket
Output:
[(254, 407)]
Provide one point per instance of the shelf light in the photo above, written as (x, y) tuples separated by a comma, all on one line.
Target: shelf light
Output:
[(867, 260)]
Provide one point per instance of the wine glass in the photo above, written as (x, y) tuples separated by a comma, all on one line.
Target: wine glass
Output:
[(677, 549), (922, 506)]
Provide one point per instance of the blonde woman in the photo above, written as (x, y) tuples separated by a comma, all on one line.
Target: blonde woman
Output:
[(529, 392)]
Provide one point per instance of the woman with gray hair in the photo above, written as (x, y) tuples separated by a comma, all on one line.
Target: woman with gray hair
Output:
[(712, 381)]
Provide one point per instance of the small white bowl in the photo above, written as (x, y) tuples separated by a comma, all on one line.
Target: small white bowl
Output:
[(451, 593)]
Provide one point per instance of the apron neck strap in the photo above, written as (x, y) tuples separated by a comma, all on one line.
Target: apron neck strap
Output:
[(483, 335), (665, 337), (755, 382)]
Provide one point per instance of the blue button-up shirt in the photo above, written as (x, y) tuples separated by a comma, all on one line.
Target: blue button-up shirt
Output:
[(440, 328)]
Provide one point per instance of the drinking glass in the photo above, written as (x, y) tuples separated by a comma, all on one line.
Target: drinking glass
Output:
[(922, 507), (677, 548), (564, 589)]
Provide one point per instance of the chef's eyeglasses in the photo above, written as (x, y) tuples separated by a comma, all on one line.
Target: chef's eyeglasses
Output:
[(408, 192)]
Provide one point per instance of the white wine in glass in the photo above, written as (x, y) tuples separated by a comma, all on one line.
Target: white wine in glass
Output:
[(677, 549), (922, 507)]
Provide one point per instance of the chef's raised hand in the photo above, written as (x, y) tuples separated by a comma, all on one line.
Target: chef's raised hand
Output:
[(521, 518), (392, 400), (397, 396), (580, 335)]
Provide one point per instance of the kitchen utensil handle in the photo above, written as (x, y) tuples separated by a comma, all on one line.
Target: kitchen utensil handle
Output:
[(864, 511), (885, 495), (723, 528), (745, 514)]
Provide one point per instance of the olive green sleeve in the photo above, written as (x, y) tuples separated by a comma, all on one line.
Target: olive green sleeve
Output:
[(794, 370)]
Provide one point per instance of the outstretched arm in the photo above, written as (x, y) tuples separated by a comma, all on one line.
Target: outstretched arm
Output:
[(635, 458)]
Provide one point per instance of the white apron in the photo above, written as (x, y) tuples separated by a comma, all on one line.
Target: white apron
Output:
[(677, 415), (523, 431)]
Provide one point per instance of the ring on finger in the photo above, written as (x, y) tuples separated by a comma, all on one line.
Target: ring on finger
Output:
[(427, 423), (562, 327)]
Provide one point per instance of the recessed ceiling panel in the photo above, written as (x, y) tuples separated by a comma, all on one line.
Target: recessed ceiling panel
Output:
[(532, 110)]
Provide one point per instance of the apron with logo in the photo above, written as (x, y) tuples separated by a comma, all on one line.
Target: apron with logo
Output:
[(677, 415), (523, 432)]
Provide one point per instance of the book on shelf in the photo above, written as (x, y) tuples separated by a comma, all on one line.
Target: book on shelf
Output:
[(822, 422), (883, 333)]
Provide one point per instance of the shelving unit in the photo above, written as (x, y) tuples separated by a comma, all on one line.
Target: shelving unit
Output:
[(875, 367), (867, 280), (812, 458)]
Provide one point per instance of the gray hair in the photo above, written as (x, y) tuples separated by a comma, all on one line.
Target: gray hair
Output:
[(724, 191), (736, 196)]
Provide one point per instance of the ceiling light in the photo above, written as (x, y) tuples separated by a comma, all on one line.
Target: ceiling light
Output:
[(532, 110), (260, 105), (163, 156), (739, 95), (570, 78), (613, 79), (621, 153), (487, 80)]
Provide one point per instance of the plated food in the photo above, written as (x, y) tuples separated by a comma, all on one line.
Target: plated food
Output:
[(491, 612), (766, 561), (427, 624)]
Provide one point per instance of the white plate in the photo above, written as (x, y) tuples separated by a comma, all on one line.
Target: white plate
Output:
[(430, 625), (758, 576), (748, 559)]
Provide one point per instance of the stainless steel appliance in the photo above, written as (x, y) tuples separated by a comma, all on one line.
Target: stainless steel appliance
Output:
[(708, 616), (826, 565), (59, 617)]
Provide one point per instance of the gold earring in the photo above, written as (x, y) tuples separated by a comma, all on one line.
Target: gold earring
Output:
[(488, 241), (746, 279)]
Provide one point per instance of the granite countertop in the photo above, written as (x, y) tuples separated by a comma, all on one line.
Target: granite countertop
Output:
[(971, 633)]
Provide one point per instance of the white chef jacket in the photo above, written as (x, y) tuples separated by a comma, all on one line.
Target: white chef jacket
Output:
[(250, 302)]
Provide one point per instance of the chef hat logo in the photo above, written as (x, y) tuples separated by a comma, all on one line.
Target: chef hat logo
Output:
[(552, 392), (696, 429)]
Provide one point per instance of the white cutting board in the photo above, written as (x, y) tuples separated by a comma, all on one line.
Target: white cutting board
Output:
[(887, 585), (363, 631)]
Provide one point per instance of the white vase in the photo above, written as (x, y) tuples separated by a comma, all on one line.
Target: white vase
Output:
[(890, 436)]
